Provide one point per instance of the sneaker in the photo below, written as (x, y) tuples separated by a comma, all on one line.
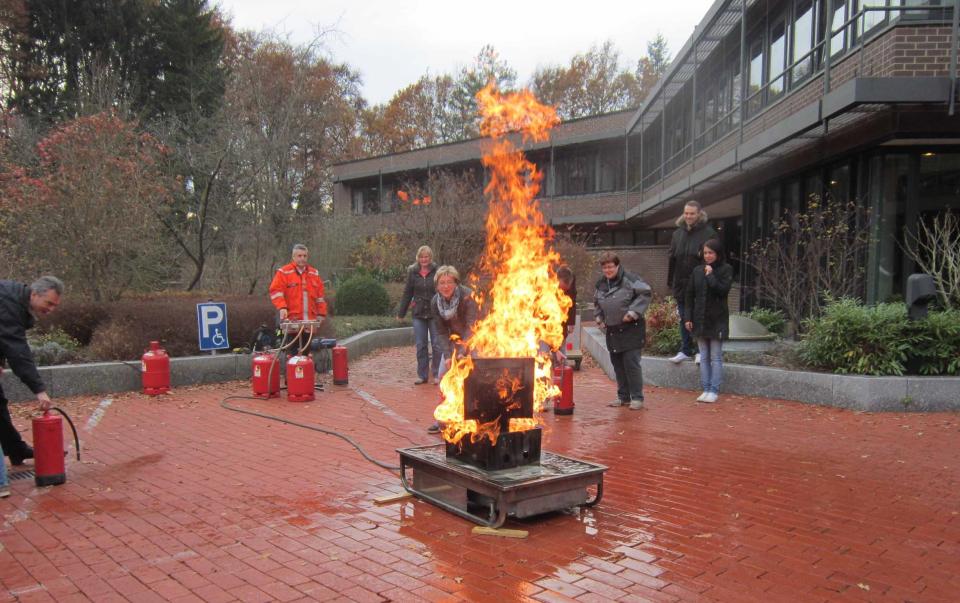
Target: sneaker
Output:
[(696, 358), (4, 491), (636, 404), (618, 402), (420, 382), (435, 428), (680, 357), (710, 398), (702, 396)]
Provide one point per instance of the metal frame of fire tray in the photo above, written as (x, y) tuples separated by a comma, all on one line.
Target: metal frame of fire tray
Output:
[(521, 491)]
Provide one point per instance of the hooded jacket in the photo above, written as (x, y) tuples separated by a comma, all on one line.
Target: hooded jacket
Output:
[(685, 252), (15, 319), (613, 299), (706, 301), (419, 290)]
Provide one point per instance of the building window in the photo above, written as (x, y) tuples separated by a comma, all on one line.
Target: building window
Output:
[(365, 199), (778, 58), (803, 40), (838, 15), (755, 78)]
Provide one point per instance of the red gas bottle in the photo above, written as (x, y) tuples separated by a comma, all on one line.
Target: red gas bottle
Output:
[(300, 379), (563, 377), (265, 375), (49, 468), (340, 376), (156, 370)]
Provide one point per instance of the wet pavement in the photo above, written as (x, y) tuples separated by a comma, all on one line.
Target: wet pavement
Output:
[(177, 498)]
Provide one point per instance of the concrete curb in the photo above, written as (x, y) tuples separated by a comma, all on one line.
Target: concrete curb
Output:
[(107, 377), (854, 392)]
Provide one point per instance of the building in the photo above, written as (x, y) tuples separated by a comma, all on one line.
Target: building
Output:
[(768, 102)]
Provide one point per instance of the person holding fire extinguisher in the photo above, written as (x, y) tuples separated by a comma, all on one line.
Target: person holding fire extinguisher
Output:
[(20, 306), (297, 289)]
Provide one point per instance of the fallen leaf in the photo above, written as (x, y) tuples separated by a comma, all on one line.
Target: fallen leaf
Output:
[(863, 586), (458, 579), (704, 535)]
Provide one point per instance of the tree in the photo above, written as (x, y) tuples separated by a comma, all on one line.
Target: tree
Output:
[(463, 118), (935, 247), (652, 67), (86, 209), (593, 83), (811, 256)]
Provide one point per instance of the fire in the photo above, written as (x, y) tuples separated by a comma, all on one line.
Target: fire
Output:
[(523, 308)]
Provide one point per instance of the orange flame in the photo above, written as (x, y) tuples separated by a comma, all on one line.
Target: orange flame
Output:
[(523, 308)]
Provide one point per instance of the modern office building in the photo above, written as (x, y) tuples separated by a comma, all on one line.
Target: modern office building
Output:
[(768, 102)]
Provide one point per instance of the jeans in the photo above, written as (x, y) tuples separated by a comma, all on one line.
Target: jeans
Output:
[(686, 340), (421, 328), (626, 366), (711, 364), (3, 470)]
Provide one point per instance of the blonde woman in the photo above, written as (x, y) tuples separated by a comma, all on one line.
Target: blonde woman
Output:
[(417, 296)]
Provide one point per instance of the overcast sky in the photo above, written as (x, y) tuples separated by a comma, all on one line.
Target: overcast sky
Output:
[(393, 43)]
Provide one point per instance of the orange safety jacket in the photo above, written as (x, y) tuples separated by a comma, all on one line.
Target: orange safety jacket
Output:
[(293, 291)]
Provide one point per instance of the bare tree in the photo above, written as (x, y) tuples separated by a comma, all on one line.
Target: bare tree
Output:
[(936, 250), (811, 256)]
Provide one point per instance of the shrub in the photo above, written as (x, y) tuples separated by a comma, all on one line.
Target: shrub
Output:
[(362, 294), (663, 333), (937, 348), (54, 347), (852, 338), (773, 320)]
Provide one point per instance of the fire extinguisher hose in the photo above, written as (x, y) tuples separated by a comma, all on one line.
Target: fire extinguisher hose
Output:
[(331, 432), (76, 439)]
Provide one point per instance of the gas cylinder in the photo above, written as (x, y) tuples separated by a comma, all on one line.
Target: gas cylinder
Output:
[(300, 379), (265, 377), (49, 469), (563, 377), (155, 365), (340, 376)]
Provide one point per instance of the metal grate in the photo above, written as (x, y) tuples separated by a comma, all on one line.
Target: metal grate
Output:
[(25, 474)]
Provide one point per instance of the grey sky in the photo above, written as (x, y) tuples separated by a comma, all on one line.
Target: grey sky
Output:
[(393, 43)]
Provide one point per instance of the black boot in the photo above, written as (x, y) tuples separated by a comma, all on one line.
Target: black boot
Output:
[(17, 457)]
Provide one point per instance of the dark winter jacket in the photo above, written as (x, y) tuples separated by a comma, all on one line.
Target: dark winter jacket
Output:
[(419, 290), (685, 252), (15, 319), (460, 325), (613, 299), (706, 301)]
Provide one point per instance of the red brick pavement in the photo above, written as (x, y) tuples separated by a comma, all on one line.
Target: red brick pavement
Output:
[(747, 500)]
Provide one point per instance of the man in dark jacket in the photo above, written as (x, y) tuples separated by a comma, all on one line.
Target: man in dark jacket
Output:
[(691, 233), (20, 305), (620, 300)]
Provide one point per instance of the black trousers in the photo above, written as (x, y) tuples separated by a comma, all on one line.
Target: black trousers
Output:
[(10, 438)]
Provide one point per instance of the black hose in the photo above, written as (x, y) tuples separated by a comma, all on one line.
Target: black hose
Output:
[(346, 438), (76, 439)]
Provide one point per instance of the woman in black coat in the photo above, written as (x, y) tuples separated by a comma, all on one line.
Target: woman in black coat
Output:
[(416, 296), (706, 316)]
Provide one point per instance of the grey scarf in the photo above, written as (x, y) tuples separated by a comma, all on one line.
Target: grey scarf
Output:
[(448, 308)]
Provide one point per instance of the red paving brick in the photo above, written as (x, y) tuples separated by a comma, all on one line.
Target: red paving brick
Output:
[(179, 499)]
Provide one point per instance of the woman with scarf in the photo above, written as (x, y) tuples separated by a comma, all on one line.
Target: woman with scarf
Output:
[(454, 312)]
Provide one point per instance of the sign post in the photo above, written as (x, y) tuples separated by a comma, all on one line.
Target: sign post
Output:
[(212, 326)]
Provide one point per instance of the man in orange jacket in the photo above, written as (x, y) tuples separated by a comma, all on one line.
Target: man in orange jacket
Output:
[(297, 289)]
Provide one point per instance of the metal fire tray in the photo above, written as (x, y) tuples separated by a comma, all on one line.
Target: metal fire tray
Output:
[(489, 497)]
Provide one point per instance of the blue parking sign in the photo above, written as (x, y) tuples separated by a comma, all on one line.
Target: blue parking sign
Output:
[(212, 326)]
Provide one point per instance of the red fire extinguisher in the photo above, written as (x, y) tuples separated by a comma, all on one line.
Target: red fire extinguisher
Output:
[(155, 365), (49, 468), (265, 375), (300, 379), (340, 376), (563, 377)]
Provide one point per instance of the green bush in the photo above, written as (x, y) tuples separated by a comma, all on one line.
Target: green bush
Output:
[(53, 347), (879, 340), (663, 333), (773, 320), (362, 294)]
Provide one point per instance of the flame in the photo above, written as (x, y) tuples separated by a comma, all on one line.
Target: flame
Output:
[(523, 307)]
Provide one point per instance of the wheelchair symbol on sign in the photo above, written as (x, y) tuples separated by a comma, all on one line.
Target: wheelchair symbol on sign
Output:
[(217, 338)]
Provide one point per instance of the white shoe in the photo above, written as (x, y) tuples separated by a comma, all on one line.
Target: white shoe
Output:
[(701, 397), (4, 490), (696, 358), (710, 398), (680, 357)]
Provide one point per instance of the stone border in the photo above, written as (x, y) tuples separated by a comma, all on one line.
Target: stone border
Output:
[(854, 392), (108, 377)]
